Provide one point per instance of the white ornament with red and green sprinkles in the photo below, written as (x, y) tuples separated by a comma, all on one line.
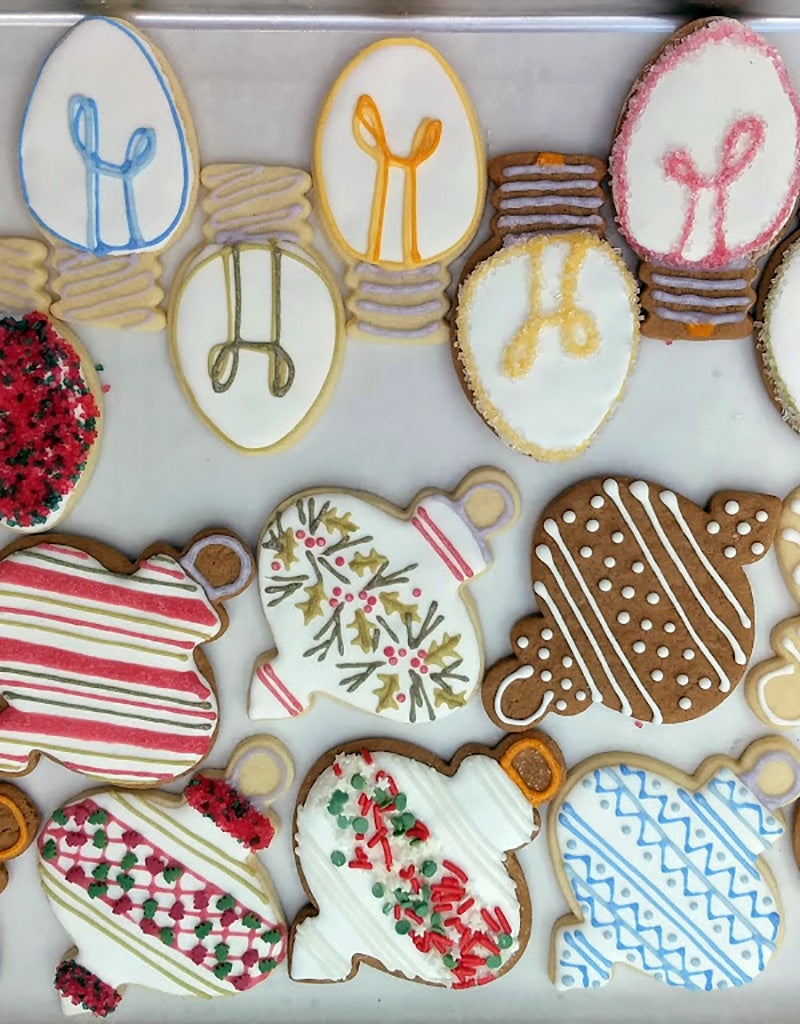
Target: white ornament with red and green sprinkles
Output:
[(409, 866), (373, 595)]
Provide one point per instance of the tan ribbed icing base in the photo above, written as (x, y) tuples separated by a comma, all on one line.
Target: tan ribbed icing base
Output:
[(398, 305), (119, 292), (23, 275), (253, 203)]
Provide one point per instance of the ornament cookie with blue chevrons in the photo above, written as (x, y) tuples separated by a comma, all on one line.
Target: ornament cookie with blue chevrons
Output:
[(663, 871)]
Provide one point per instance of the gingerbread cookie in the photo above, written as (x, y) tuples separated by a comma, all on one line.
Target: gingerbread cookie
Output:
[(256, 320), (409, 861), (664, 871), (19, 823), (164, 891), (51, 409), (100, 660), (399, 167), (773, 686), (704, 175), (547, 326), (365, 601), (108, 168), (644, 604)]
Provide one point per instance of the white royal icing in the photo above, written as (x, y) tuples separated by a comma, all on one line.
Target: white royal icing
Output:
[(105, 159), (779, 335)]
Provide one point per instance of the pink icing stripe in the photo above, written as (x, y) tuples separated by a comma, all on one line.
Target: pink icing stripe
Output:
[(279, 691), (719, 30)]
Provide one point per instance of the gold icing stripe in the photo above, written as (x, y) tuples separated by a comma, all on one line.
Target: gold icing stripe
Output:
[(23, 276), (250, 201), (191, 843), (63, 896), (123, 644), (110, 291), (42, 743)]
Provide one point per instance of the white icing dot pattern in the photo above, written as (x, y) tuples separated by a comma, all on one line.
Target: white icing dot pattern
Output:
[(732, 508), (592, 525), (569, 516), (712, 527)]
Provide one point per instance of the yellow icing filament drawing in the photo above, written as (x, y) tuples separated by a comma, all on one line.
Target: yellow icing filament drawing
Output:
[(580, 335), (369, 133)]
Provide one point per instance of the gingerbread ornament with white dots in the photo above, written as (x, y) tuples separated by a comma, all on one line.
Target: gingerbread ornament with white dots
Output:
[(366, 602), (663, 872), (644, 605)]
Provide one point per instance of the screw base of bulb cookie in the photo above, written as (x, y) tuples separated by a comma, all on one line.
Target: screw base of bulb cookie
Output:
[(688, 305), (398, 305)]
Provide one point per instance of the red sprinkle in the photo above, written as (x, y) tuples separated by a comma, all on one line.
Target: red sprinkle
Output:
[(449, 866), (387, 854), (367, 756), (360, 864), (397, 912), (414, 917), (465, 906), (501, 917), (376, 837), (490, 920), (337, 770)]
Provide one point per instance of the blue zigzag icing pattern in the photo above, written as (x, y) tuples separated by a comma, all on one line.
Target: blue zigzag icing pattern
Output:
[(666, 880)]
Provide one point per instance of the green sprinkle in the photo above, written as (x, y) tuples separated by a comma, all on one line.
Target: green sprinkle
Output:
[(338, 858), (387, 908), (382, 797), (97, 889), (128, 861), (378, 890), (272, 936), (357, 781), (50, 850), (429, 868), (226, 902), (422, 909), (408, 820), (101, 871), (504, 941), (402, 927), (59, 817), (493, 961), (449, 961), (99, 367), (98, 817), (221, 951), (223, 970), (360, 825), (337, 801), (400, 801), (172, 873), (167, 936), (149, 908), (100, 839), (251, 921), (436, 920), (202, 929), (342, 821), (126, 882), (265, 966)]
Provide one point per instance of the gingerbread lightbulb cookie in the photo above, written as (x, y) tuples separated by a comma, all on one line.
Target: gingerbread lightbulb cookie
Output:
[(367, 603), (704, 175), (166, 891), (102, 666), (409, 862), (19, 823), (547, 326), (644, 605), (399, 168), (108, 169), (665, 872)]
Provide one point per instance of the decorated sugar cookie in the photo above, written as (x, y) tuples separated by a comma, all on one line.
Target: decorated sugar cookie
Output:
[(644, 605), (409, 861), (776, 319), (399, 168), (704, 174), (99, 662), (108, 170), (166, 892), (19, 823), (773, 686), (547, 326), (51, 410), (664, 873), (256, 320), (365, 601)]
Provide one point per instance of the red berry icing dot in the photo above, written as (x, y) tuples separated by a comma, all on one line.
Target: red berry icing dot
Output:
[(416, 592), (276, 566)]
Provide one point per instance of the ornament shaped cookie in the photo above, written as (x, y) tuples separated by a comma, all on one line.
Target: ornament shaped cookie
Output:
[(365, 601), (101, 666), (776, 330), (108, 168), (166, 892), (644, 605), (399, 168), (19, 823), (704, 175), (51, 405), (664, 873), (256, 320), (773, 686), (409, 861), (547, 326)]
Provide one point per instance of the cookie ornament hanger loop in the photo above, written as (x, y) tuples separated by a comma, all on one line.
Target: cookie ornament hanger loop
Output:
[(24, 832)]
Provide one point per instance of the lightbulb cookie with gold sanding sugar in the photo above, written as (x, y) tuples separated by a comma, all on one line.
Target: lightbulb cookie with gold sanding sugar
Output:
[(399, 169), (409, 862), (367, 603), (705, 174), (166, 891), (644, 605), (546, 331)]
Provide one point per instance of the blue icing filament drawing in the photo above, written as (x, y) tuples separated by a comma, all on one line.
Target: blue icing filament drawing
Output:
[(663, 871)]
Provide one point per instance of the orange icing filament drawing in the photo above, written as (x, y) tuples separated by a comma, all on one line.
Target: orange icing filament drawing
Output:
[(369, 133), (580, 335)]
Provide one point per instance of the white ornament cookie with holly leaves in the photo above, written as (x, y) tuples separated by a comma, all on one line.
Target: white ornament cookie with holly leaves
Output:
[(365, 601)]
